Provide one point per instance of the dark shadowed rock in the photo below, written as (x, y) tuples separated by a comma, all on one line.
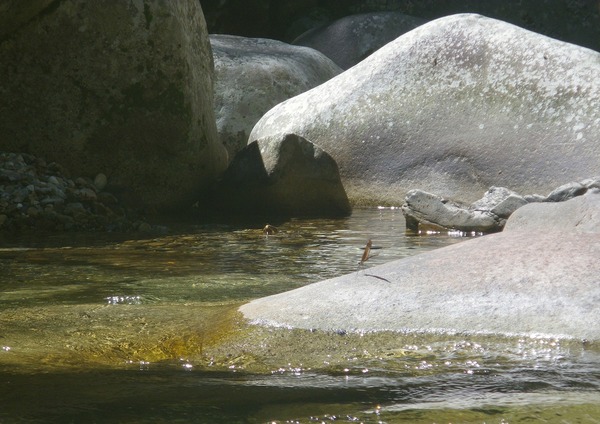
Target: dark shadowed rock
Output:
[(287, 176), (351, 39), (124, 90), (455, 106), (252, 75), (504, 283)]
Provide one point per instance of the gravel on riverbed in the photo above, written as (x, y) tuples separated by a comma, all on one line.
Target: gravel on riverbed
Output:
[(40, 196)]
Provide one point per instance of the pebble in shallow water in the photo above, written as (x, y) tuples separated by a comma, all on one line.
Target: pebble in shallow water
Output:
[(39, 196)]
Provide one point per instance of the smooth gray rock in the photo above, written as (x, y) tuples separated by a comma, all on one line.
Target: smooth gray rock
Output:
[(566, 192), (253, 74), (500, 201), (422, 208), (287, 176), (455, 106), (578, 215), (351, 39), (542, 283), (124, 89)]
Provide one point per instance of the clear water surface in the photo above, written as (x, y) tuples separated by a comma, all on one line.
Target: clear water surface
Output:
[(144, 328)]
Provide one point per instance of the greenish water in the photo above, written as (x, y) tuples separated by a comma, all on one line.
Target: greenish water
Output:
[(113, 328)]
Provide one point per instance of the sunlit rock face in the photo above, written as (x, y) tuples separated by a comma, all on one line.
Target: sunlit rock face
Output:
[(426, 211), (282, 176), (504, 283), (252, 75), (124, 90), (580, 215), (455, 106), (351, 39)]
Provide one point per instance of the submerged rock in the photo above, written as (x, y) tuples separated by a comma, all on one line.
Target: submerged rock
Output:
[(506, 283), (454, 106), (287, 176)]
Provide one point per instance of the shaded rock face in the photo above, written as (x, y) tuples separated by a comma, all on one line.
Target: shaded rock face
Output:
[(504, 283), (572, 21), (580, 215), (124, 90), (351, 39), (287, 176), (455, 106), (252, 75)]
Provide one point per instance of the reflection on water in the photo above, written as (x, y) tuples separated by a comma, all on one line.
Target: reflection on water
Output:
[(110, 328)]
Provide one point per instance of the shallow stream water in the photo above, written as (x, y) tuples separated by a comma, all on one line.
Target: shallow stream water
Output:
[(145, 328)]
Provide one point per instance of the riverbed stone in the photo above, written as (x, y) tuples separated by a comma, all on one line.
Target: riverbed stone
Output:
[(509, 283), (432, 211), (254, 74), (427, 211), (35, 196), (579, 214), (455, 106), (351, 39), (282, 176), (566, 192), (125, 90)]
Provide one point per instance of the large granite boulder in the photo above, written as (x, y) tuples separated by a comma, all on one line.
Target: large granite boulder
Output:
[(252, 75), (579, 215), (351, 39), (455, 106), (124, 90), (281, 177), (508, 283)]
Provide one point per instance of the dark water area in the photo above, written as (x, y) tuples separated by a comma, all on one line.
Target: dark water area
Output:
[(144, 328)]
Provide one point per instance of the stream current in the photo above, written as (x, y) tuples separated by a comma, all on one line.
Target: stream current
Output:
[(144, 328)]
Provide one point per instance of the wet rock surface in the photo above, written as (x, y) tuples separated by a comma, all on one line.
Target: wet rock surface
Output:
[(538, 277), (36, 195), (505, 283)]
